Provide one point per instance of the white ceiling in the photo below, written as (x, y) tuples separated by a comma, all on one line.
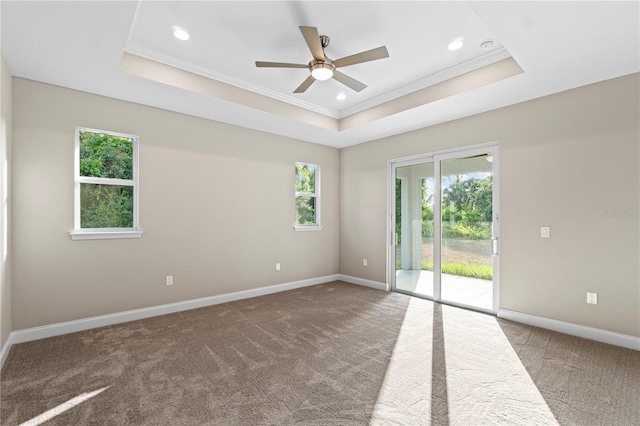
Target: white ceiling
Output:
[(229, 37), (558, 46)]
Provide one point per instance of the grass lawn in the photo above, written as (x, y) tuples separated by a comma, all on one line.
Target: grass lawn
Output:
[(467, 258), (454, 268)]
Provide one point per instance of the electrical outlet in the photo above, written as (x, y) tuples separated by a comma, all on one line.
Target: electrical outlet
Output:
[(278, 266), (592, 298), (169, 279), (364, 262)]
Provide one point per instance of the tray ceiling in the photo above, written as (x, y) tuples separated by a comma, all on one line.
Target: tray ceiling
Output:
[(126, 50)]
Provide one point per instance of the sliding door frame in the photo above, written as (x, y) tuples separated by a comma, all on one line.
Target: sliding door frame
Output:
[(436, 158)]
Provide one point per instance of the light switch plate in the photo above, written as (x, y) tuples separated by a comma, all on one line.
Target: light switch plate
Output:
[(592, 298)]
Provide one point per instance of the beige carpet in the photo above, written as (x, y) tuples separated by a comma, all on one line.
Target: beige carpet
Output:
[(332, 354)]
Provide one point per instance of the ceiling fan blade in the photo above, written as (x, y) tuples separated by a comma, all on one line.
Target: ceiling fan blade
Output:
[(312, 38), (369, 55), (350, 82), (261, 64), (305, 85)]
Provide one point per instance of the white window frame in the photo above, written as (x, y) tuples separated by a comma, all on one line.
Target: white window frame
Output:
[(318, 224), (104, 233)]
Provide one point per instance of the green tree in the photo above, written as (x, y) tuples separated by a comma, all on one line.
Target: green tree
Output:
[(106, 206), (427, 211), (467, 208), (111, 157), (305, 204), (106, 156), (484, 198), (468, 200)]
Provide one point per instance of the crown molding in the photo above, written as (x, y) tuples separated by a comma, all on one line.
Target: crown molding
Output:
[(430, 80), (223, 78)]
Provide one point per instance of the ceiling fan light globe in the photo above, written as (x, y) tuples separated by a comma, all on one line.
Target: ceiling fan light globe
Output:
[(322, 71)]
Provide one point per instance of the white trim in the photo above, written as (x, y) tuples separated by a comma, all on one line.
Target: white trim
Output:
[(364, 282), (104, 235), (108, 132), (391, 232), (437, 228), (597, 334), (495, 220), (106, 181), (317, 180), (5, 349), (419, 158), (78, 180), (430, 80), (457, 70), (307, 227), (226, 79), (58, 329), (436, 158)]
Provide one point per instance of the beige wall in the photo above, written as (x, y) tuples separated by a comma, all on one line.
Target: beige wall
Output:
[(216, 208), (5, 210), (566, 159)]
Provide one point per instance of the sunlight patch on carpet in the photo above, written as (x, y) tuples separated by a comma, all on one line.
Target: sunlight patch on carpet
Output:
[(56, 411), (456, 367)]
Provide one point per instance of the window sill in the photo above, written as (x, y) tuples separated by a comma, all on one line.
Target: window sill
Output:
[(104, 235), (307, 228)]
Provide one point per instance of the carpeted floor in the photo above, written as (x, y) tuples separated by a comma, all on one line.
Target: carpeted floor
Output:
[(332, 354)]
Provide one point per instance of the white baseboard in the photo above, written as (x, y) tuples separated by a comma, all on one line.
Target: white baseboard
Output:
[(58, 329), (596, 334), (361, 281), (5, 349)]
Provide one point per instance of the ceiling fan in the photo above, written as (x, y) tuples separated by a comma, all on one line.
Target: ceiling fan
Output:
[(323, 68)]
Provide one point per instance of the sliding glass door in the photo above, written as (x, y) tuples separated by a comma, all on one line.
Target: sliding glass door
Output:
[(414, 196), (444, 227)]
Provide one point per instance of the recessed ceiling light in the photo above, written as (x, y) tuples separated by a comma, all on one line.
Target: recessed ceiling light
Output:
[(341, 96), (456, 44), (180, 34)]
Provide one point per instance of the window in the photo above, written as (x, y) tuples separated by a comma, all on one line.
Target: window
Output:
[(106, 185), (307, 197)]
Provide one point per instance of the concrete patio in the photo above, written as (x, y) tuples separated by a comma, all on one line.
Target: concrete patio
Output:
[(469, 291)]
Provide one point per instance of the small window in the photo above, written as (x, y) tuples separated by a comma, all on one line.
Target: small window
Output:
[(307, 190), (106, 185)]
